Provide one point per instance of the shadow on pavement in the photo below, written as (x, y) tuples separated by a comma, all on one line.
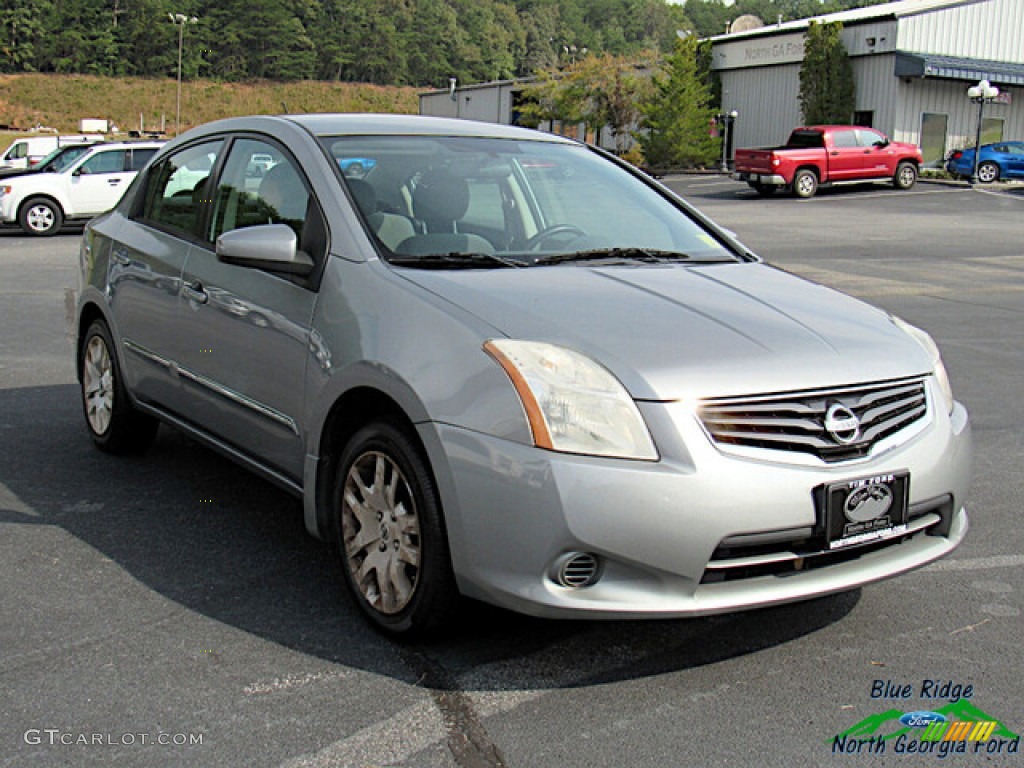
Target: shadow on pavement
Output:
[(208, 535)]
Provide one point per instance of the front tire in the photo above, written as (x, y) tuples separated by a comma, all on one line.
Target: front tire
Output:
[(394, 550), (41, 217), (114, 424), (805, 183), (988, 172), (905, 176)]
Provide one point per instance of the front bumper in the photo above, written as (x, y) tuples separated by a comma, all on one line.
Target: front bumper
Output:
[(658, 528), (8, 212)]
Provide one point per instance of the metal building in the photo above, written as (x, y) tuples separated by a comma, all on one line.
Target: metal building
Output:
[(913, 61), (491, 102)]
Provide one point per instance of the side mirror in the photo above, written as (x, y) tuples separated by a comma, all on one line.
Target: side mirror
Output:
[(267, 246)]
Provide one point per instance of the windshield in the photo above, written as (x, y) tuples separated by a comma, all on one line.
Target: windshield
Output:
[(430, 200), (63, 157)]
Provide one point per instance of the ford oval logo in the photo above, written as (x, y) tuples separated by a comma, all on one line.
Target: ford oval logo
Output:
[(842, 423), (922, 718)]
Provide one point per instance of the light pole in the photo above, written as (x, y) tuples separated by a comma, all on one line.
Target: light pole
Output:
[(727, 119), (180, 20), (980, 94)]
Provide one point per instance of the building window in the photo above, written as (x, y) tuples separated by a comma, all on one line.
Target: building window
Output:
[(865, 118), (933, 139), (992, 130)]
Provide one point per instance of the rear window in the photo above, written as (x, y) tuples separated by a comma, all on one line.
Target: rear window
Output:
[(805, 140)]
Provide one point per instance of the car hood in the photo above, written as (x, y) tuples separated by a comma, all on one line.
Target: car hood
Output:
[(679, 332)]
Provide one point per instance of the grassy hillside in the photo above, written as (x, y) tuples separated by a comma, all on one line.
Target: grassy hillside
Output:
[(59, 101)]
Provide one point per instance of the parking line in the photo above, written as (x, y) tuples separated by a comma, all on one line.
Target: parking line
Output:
[(977, 564), (1001, 193)]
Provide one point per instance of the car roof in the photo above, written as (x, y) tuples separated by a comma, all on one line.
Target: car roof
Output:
[(378, 124), (126, 145)]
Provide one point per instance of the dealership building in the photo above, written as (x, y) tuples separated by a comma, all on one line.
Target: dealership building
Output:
[(913, 61)]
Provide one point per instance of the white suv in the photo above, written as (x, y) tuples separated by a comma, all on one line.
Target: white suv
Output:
[(42, 202)]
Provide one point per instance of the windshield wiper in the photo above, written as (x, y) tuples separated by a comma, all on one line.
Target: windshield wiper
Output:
[(455, 260), (646, 255)]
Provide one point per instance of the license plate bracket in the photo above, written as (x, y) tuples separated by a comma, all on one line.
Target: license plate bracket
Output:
[(866, 510)]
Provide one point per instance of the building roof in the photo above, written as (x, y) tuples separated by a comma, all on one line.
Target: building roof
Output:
[(892, 10), (957, 68)]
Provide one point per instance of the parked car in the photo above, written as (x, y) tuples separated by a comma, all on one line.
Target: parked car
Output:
[(54, 162), (40, 203), (27, 152), (356, 166), (820, 155), (1001, 160), (514, 368)]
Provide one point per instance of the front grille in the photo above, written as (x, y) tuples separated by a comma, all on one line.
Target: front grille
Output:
[(802, 550), (796, 421)]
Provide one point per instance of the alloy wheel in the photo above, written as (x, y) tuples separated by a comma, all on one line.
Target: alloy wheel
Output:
[(40, 218)]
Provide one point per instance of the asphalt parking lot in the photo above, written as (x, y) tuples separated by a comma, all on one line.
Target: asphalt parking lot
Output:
[(170, 609)]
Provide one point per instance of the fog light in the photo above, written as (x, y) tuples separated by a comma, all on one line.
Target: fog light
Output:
[(577, 570)]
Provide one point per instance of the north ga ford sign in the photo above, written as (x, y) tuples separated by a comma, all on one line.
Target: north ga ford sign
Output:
[(757, 52)]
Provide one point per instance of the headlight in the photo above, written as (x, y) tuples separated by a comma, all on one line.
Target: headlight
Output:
[(938, 368), (573, 404)]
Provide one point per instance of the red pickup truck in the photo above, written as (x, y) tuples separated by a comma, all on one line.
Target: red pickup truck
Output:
[(828, 154)]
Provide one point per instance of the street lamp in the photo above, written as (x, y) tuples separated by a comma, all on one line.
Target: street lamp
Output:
[(980, 94), (726, 120), (180, 20)]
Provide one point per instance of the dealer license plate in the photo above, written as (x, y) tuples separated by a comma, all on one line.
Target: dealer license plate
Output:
[(866, 510)]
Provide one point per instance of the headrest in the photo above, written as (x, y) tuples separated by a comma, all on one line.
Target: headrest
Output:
[(440, 196), (365, 195)]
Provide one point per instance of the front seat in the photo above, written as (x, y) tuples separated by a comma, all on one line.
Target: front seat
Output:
[(440, 200), (390, 228), (283, 190)]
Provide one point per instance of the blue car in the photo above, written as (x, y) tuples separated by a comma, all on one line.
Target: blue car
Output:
[(356, 166), (1002, 160)]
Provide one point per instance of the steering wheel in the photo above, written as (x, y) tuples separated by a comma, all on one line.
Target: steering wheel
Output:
[(534, 243)]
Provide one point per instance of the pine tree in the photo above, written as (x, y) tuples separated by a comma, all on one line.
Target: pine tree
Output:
[(827, 89), (677, 116)]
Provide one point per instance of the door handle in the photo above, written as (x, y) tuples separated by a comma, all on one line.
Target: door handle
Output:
[(194, 291), (113, 182)]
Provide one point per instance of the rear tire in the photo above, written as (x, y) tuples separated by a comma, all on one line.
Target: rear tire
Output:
[(805, 183), (988, 172), (391, 534), (41, 217), (764, 190), (905, 176), (114, 424)]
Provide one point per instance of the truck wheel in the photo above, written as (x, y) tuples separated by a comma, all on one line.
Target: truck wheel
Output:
[(805, 183), (906, 176), (40, 216), (764, 190)]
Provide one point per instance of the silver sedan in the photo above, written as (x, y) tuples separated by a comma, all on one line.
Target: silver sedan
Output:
[(505, 365)]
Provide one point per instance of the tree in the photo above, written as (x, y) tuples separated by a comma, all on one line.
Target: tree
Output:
[(597, 91), (22, 27), (678, 114), (827, 88)]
